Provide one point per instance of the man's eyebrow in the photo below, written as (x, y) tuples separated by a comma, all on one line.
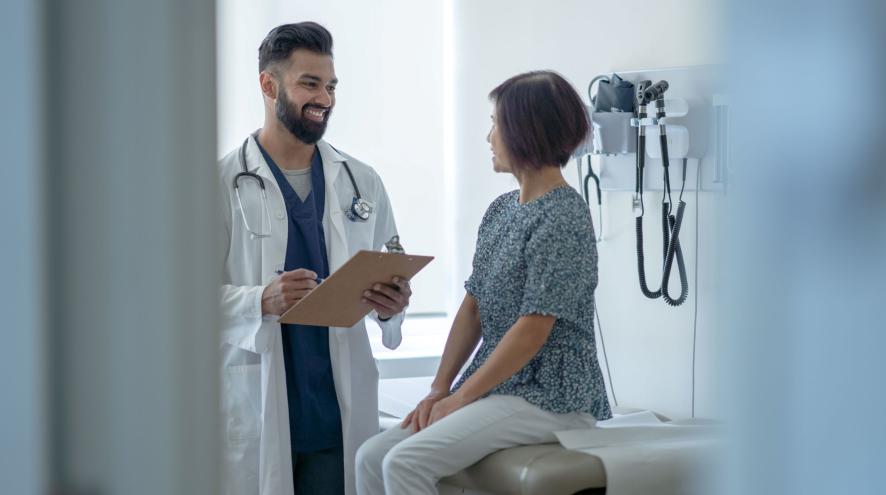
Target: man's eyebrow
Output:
[(314, 78)]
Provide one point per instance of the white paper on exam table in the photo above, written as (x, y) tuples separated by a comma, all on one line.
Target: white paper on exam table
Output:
[(643, 455)]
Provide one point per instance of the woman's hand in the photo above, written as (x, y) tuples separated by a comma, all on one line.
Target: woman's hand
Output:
[(447, 406), (419, 416)]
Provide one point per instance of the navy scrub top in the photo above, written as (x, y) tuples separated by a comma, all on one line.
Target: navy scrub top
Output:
[(314, 415)]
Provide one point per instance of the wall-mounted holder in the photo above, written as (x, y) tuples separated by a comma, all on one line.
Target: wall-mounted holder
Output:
[(611, 133), (695, 119), (648, 122)]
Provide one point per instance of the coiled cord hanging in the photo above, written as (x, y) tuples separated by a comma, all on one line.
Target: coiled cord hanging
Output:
[(670, 224), (672, 242), (638, 191), (675, 249), (641, 269)]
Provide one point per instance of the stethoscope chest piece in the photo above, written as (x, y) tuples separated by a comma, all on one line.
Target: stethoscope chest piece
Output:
[(359, 211)]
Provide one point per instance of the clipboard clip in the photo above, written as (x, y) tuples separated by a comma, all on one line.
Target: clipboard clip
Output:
[(394, 246)]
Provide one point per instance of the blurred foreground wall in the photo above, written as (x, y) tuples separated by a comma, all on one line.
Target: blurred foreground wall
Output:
[(807, 269), (109, 256)]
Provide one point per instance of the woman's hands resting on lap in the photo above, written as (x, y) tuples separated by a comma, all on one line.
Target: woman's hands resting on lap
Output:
[(435, 406), (420, 417), (447, 406)]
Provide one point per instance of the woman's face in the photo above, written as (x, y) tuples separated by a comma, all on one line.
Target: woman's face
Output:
[(500, 158)]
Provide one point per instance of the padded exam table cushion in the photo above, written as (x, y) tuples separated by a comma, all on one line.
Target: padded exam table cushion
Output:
[(544, 469), (547, 469)]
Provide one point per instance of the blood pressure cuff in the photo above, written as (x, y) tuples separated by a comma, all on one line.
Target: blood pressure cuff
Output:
[(613, 94)]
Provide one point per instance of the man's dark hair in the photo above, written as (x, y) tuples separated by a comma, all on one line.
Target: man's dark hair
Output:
[(279, 44), (540, 117)]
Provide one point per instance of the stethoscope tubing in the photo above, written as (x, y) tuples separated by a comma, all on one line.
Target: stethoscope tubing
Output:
[(359, 210)]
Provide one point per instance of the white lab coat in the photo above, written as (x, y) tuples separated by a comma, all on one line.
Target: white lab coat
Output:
[(255, 417)]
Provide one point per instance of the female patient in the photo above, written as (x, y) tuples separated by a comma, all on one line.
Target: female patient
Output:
[(529, 304)]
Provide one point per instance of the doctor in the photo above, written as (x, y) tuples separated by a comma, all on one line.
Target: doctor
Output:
[(297, 400)]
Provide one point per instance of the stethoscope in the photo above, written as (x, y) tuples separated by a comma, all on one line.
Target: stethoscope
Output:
[(359, 211)]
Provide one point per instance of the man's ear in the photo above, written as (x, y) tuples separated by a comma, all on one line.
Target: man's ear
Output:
[(268, 84)]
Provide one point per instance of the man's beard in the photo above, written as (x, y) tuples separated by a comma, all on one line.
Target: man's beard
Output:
[(306, 131)]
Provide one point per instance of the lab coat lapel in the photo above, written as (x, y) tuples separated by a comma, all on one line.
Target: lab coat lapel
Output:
[(333, 221), (256, 162)]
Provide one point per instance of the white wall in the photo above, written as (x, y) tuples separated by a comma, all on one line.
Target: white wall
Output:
[(649, 344), (389, 110)]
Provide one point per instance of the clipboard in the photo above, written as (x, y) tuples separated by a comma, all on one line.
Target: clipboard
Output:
[(337, 301)]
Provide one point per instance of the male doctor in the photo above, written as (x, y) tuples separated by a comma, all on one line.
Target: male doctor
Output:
[(298, 400)]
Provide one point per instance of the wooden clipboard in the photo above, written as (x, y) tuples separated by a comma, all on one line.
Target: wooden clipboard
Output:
[(337, 301)]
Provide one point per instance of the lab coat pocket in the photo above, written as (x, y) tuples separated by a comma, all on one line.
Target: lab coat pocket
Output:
[(361, 234), (241, 402)]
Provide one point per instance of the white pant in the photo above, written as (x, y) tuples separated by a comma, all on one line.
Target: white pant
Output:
[(397, 462)]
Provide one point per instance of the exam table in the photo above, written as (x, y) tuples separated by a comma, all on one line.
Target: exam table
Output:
[(533, 469), (547, 469)]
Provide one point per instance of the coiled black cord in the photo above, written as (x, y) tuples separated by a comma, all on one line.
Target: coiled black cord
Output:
[(671, 242), (641, 269), (675, 249), (666, 199), (641, 264), (670, 228)]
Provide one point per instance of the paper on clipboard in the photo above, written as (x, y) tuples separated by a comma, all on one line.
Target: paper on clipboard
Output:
[(337, 302)]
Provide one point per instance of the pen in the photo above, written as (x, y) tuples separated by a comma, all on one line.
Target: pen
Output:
[(319, 279)]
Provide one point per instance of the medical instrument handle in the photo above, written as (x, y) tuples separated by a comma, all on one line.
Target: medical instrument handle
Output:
[(642, 86), (656, 91)]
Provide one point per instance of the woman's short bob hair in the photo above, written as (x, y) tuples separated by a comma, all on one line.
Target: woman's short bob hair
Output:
[(540, 118)]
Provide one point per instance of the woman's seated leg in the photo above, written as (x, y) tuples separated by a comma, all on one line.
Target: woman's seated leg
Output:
[(412, 464), (369, 459)]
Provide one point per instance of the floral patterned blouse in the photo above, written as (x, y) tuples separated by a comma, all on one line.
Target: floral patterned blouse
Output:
[(540, 258)]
